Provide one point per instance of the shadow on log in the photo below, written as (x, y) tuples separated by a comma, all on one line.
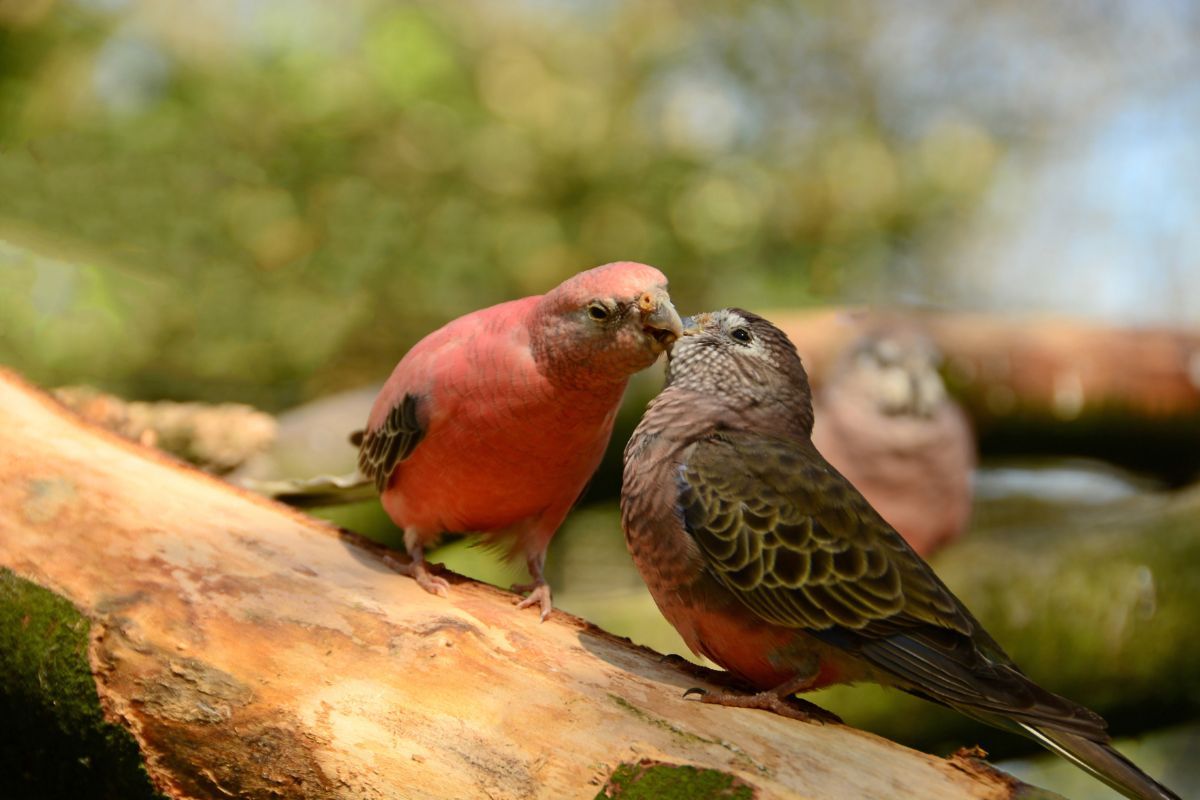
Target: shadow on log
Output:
[(250, 651)]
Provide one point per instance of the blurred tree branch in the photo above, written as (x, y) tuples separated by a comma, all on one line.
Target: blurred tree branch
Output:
[(218, 438), (1047, 384)]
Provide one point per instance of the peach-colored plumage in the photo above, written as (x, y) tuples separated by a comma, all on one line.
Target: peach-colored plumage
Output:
[(495, 422)]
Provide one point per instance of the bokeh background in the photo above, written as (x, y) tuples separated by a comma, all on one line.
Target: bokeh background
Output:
[(268, 201)]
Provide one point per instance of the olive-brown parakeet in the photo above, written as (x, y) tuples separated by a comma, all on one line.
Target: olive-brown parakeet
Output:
[(770, 563)]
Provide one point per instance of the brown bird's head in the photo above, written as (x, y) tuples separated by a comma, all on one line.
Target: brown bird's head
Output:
[(604, 324), (742, 358)]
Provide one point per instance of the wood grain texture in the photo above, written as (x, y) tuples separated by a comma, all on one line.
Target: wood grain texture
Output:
[(255, 652)]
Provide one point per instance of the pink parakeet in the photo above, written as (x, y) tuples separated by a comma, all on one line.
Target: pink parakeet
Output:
[(495, 422), (768, 561)]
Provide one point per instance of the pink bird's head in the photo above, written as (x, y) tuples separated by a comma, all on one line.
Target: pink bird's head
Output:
[(604, 324)]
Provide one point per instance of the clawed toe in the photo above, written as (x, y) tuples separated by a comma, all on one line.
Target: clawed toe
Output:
[(434, 584), (539, 595), (790, 707), (811, 711), (419, 572)]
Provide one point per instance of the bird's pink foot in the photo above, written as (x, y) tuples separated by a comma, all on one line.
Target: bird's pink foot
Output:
[(539, 595), (791, 707), (419, 572)]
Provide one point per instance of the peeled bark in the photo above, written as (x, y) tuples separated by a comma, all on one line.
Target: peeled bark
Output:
[(247, 650)]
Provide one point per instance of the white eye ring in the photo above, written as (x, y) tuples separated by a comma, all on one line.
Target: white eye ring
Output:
[(598, 312)]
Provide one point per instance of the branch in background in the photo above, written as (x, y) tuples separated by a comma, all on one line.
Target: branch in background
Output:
[(218, 438), (1049, 385), (1007, 366)]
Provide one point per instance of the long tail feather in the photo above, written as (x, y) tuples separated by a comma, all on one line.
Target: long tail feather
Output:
[(1100, 760), (323, 490)]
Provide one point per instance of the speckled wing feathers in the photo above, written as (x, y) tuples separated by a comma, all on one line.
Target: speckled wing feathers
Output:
[(392, 442), (787, 533), (795, 542)]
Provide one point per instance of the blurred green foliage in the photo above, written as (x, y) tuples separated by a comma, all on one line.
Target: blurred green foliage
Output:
[(267, 201)]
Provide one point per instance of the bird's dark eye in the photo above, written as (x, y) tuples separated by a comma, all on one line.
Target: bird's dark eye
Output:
[(741, 334), (597, 311)]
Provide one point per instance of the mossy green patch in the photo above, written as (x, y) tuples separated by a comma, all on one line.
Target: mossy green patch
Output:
[(652, 780), (54, 740)]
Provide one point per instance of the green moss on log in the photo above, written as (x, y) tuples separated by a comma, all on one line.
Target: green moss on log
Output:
[(652, 780), (55, 742)]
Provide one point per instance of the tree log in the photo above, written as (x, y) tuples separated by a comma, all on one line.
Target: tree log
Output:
[(240, 649)]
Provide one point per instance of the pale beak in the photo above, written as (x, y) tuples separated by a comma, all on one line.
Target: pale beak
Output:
[(660, 320)]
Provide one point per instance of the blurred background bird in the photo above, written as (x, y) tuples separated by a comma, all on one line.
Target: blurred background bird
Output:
[(885, 420)]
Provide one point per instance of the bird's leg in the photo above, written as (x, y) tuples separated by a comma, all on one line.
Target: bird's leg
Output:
[(539, 590), (779, 700), (417, 568)]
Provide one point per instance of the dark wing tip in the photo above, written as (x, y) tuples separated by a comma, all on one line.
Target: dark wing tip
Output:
[(381, 449)]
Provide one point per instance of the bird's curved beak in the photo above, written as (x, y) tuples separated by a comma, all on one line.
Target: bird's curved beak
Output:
[(660, 320)]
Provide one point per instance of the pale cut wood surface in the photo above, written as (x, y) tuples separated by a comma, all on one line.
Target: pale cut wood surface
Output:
[(255, 652)]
